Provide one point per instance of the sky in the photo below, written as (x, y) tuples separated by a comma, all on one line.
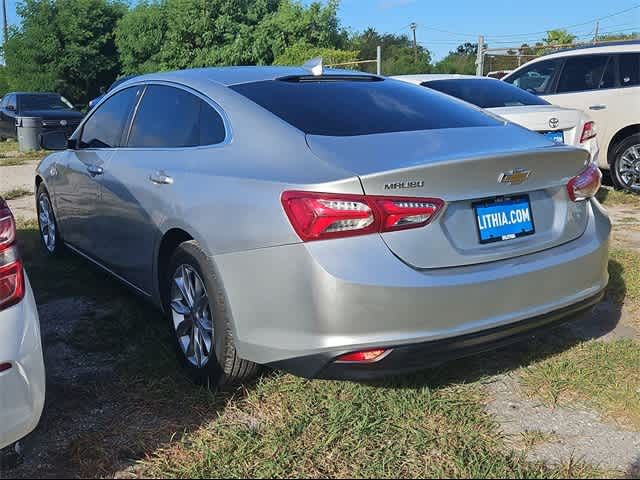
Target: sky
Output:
[(444, 24)]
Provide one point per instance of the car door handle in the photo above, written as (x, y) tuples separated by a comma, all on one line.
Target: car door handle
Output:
[(161, 178), (95, 170), (597, 107)]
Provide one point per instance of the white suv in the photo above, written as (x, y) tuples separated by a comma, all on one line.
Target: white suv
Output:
[(605, 82)]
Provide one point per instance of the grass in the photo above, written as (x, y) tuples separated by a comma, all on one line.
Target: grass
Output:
[(609, 196), (624, 282), (16, 193), (604, 375), (10, 155), (426, 425)]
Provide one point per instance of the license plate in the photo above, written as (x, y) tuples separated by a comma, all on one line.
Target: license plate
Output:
[(555, 136), (504, 218)]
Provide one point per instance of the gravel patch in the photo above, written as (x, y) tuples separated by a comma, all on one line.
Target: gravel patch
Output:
[(573, 434)]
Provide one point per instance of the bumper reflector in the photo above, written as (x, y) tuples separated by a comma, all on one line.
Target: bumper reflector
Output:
[(4, 367), (364, 356)]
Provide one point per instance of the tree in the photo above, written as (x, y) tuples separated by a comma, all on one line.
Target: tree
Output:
[(462, 60), (397, 53), (301, 52), (175, 34), (65, 46), (559, 37)]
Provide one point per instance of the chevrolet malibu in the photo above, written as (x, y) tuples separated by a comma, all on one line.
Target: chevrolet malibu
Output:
[(328, 223), (22, 377)]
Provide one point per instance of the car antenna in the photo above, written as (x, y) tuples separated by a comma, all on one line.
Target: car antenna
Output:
[(314, 66)]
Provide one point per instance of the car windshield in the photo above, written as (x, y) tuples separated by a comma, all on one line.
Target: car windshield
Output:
[(334, 106), (485, 93), (44, 102)]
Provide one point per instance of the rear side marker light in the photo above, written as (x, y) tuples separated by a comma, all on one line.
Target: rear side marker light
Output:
[(586, 184), (588, 131), (4, 367), (364, 356), (322, 216)]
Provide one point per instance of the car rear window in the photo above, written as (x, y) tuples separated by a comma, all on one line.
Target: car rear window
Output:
[(485, 93), (335, 107)]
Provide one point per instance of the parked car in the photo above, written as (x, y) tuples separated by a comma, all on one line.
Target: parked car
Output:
[(57, 112), (562, 125), (332, 224), (605, 81), (22, 376), (94, 102)]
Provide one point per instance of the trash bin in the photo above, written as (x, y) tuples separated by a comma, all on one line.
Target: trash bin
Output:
[(29, 129)]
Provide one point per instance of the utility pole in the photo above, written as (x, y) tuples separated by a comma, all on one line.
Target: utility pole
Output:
[(595, 37), (480, 58), (413, 27), (379, 59), (5, 24)]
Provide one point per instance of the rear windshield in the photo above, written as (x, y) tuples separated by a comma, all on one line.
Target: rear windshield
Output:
[(349, 108), (486, 93)]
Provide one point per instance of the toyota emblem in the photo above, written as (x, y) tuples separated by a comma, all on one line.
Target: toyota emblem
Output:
[(554, 122)]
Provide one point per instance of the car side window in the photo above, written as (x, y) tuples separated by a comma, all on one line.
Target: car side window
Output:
[(582, 73), (609, 75), (11, 101), (170, 117), (629, 69), (105, 127), (537, 78)]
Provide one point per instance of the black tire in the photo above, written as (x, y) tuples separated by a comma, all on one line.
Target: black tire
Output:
[(616, 161), (42, 196), (224, 367)]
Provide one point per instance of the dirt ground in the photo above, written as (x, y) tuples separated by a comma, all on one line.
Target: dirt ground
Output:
[(86, 404)]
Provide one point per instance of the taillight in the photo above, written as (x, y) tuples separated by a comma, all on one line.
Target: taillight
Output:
[(585, 185), (322, 216), (364, 356), (12, 287), (588, 131)]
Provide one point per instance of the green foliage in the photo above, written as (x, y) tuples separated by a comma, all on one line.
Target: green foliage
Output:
[(65, 46), (457, 63), (398, 57), (559, 37), (301, 52), (175, 34)]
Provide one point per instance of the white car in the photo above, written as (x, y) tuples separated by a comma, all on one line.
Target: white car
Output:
[(22, 376), (561, 125), (605, 81)]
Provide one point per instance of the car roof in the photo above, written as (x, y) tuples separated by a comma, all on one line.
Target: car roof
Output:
[(430, 77), (235, 75), (609, 47)]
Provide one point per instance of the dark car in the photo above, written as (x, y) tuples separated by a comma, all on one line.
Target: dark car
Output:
[(56, 112), (94, 102)]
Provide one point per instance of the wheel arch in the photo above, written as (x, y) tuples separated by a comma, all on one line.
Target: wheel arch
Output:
[(618, 137), (169, 242)]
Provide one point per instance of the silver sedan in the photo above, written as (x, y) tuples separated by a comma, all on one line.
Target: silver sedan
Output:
[(329, 223)]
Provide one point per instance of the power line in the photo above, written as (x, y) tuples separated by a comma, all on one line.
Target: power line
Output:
[(475, 35)]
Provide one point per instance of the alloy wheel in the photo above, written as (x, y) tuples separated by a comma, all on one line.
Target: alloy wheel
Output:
[(191, 314), (628, 168), (47, 223)]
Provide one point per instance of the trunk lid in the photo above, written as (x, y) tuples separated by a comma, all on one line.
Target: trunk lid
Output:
[(462, 166), (540, 118)]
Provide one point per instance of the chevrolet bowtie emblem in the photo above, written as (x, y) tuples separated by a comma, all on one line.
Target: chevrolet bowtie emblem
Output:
[(514, 177)]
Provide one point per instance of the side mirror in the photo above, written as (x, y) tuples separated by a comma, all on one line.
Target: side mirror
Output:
[(54, 141), (11, 108)]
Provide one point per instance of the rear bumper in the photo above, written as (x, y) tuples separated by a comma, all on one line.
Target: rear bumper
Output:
[(22, 387), (410, 358), (299, 302)]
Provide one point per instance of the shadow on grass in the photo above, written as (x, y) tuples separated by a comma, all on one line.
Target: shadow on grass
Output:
[(115, 394)]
